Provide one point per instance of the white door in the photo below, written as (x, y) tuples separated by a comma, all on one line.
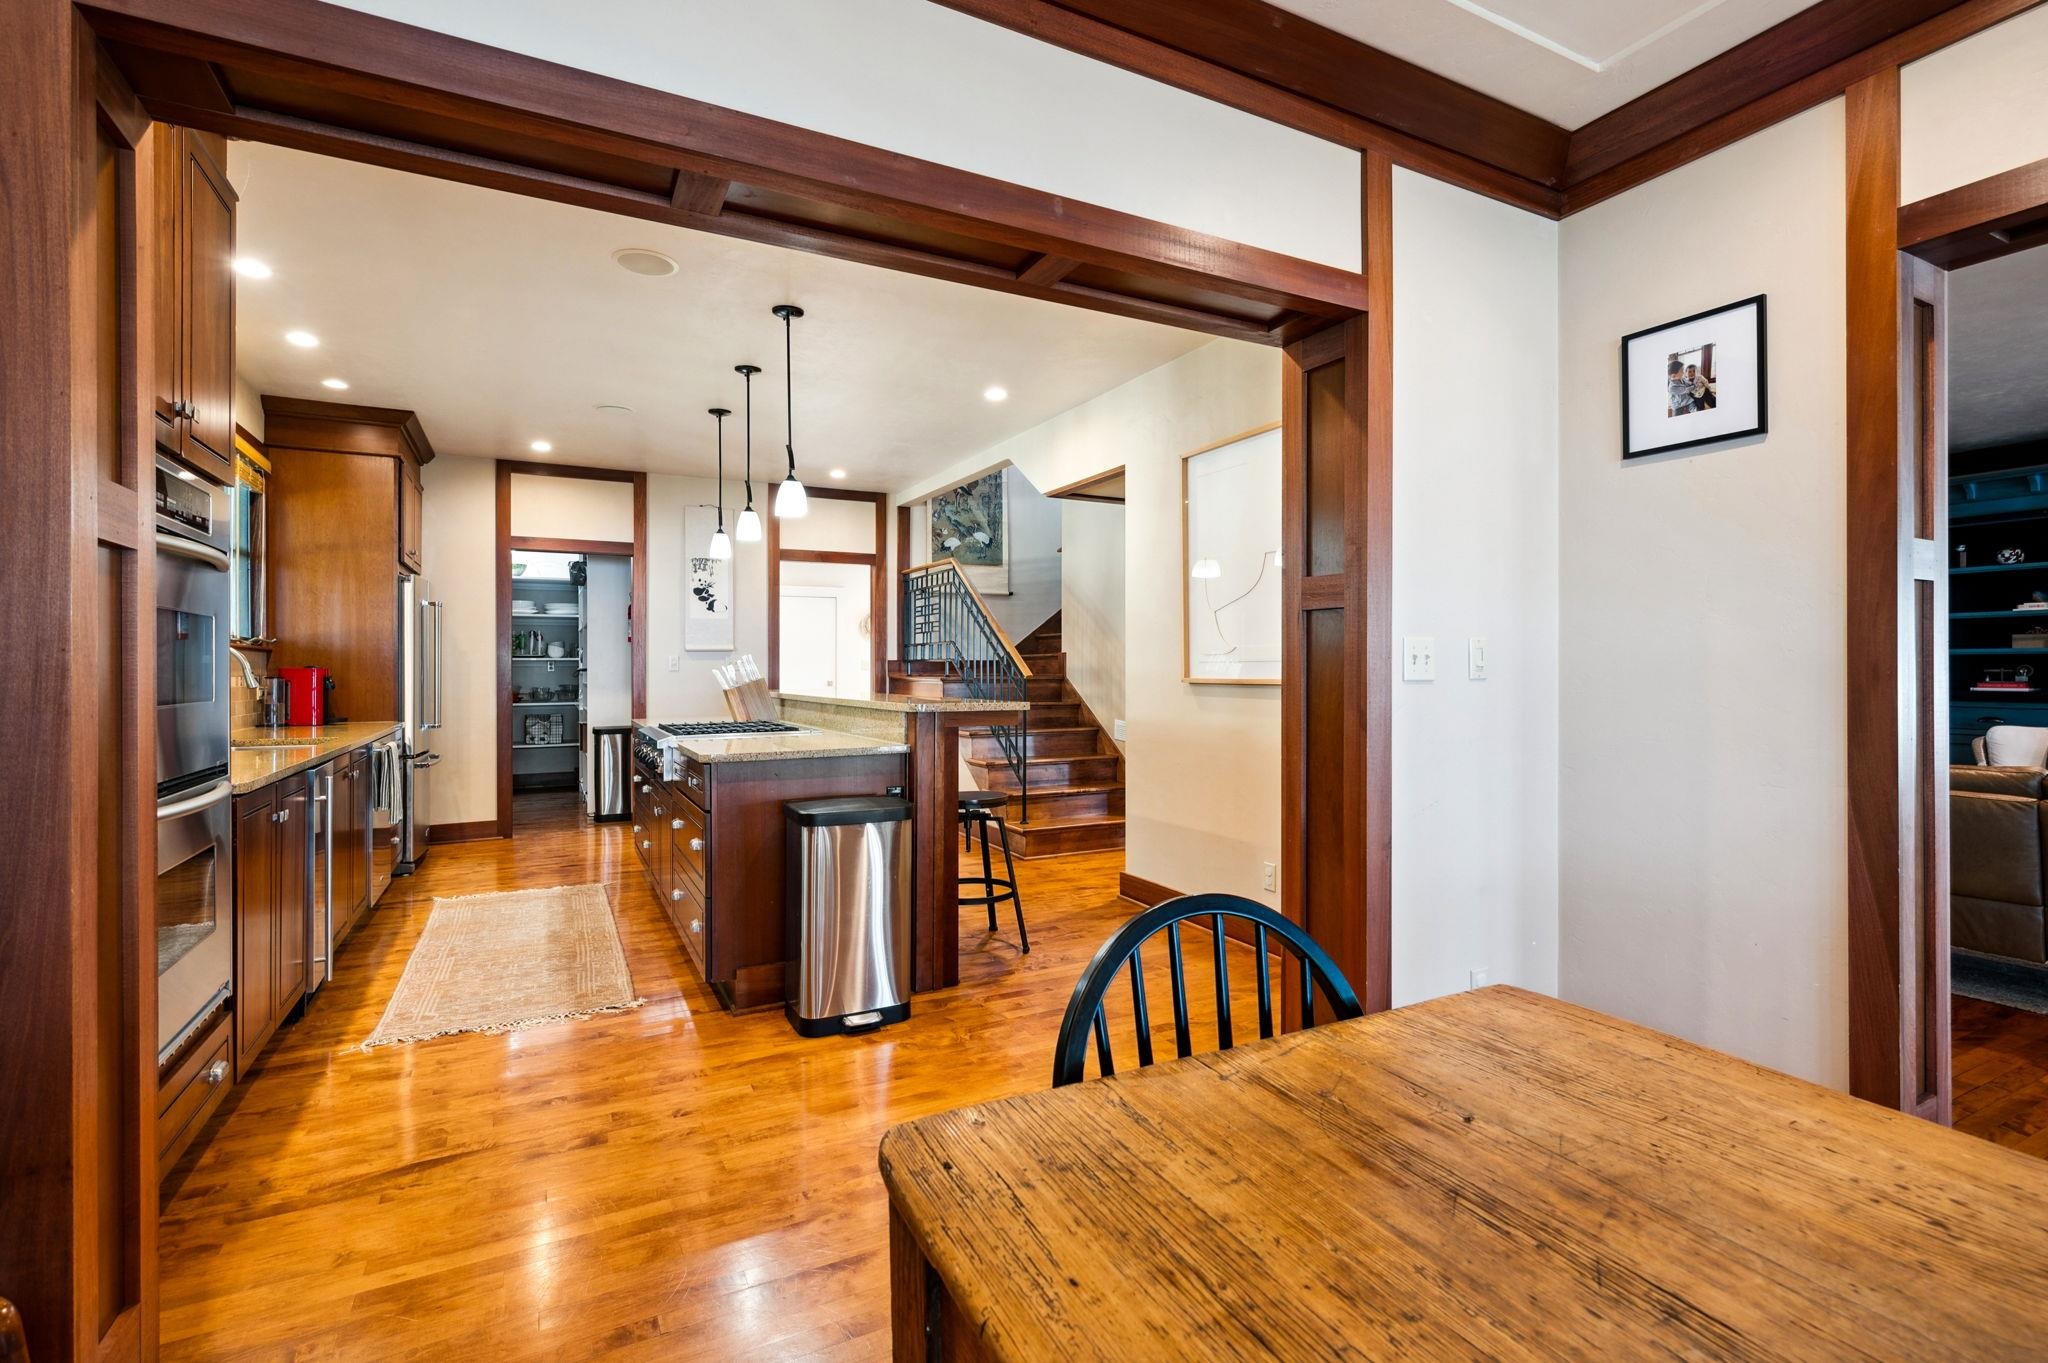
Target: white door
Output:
[(810, 645)]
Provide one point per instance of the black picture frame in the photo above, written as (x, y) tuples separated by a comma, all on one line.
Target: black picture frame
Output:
[(1763, 373)]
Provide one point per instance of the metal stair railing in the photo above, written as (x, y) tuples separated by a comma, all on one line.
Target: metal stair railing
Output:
[(943, 620)]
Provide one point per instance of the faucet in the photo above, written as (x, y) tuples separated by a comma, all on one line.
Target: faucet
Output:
[(248, 672), (266, 712)]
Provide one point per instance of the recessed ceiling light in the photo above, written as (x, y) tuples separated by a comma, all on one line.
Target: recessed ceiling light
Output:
[(995, 392), (838, 473), (540, 447), (248, 267), (614, 409), (304, 340), (642, 261), (336, 384)]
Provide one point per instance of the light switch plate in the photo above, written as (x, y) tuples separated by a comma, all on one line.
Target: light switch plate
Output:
[(1118, 731), (675, 662), (1475, 658), (1272, 876), (1480, 979), (1418, 658)]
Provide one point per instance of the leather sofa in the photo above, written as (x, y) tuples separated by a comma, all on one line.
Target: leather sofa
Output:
[(1998, 838)]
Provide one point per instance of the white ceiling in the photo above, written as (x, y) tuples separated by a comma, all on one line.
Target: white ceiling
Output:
[(1568, 61), (502, 319), (1998, 351)]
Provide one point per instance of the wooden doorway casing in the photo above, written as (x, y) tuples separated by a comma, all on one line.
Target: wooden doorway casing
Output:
[(501, 562), (328, 79), (878, 590), (1897, 665)]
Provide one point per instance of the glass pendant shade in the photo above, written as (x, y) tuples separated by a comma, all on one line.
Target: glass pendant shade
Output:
[(747, 529), (721, 546), (791, 501), (1206, 568)]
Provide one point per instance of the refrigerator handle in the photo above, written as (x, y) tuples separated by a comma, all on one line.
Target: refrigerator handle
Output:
[(435, 656)]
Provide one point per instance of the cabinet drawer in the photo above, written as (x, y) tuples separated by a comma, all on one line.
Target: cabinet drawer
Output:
[(686, 832), (194, 1089), (691, 916), (694, 784)]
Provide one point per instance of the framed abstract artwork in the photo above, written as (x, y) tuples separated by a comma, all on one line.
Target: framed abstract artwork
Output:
[(970, 525), (1700, 380), (1230, 561)]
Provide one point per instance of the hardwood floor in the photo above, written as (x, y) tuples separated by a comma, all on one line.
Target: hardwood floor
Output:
[(2001, 1074), (673, 1182)]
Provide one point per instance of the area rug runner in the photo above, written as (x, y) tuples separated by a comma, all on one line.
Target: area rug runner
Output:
[(2012, 983), (499, 962)]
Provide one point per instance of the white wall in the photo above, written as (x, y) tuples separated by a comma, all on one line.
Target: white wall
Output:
[(1475, 553), (875, 72), (571, 508), (833, 524), (1974, 109), (248, 408), (1220, 742), (459, 520), (1092, 605), (1704, 826), (1033, 551)]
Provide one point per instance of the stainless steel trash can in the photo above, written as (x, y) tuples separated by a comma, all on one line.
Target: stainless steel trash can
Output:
[(848, 894), (611, 773)]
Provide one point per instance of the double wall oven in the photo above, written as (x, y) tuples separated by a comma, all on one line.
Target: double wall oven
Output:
[(195, 947)]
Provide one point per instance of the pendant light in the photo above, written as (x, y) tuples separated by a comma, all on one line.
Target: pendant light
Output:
[(721, 543), (748, 528), (791, 501)]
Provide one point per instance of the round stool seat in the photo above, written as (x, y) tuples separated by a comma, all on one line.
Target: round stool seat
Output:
[(982, 799)]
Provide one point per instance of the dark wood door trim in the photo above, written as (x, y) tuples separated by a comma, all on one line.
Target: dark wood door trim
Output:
[(1336, 593), (1273, 63), (1980, 221), (501, 561), (323, 78), (878, 587), (1896, 624)]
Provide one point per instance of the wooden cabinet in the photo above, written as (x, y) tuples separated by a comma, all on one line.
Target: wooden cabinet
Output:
[(193, 1090), (351, 841), (712, 844), (270, 913), (195, 340), (343, 507), (409, 516)]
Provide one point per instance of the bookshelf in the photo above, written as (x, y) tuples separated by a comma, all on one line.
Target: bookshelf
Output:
[(1989, 630)]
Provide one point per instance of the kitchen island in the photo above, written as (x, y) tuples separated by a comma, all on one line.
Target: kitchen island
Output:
[(708, 829), (929, 727)]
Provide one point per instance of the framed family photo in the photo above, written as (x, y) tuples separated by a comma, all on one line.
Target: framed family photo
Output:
[(1697, 381)]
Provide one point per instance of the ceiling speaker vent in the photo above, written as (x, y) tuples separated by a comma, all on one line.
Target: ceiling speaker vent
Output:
[(640, 260)]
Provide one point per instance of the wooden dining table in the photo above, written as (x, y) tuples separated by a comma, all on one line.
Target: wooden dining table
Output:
[(1490, 1175)]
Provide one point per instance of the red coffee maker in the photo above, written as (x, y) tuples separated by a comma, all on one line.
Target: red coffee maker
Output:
[(307, 687)]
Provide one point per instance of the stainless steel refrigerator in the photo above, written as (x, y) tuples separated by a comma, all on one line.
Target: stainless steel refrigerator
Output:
[(421, 686)]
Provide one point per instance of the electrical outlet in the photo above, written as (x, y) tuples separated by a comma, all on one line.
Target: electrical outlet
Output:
[(1480, 979), (1272, 876), (1117, 729), (675, 662), (1418, 658), (1475, 658)]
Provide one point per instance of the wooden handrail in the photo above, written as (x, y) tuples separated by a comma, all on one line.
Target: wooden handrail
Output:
[(13, 1337), (1002, 635)]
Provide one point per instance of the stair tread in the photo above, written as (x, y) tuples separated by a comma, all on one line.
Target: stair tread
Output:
[(1076, 821), (1046, 761), (1072, 788), (984, 730)]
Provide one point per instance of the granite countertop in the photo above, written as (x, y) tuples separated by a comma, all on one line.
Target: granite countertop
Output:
[(777, 747), (910, 705), (260, 756)]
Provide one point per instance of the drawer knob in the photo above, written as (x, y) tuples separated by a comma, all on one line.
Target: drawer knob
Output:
[(645, 844), (216, 1073), (696, 925), (638, 829), (675, 895), (675, 825), (696, 844)]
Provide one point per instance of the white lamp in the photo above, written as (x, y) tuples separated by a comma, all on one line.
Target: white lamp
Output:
[(1206, 568), (721, 544), (791, 501)]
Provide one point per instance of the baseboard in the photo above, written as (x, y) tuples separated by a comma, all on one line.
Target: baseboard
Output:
[(1139, 890), (463, 832)]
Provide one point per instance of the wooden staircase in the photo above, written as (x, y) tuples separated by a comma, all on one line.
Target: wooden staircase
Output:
[(1077, 788)]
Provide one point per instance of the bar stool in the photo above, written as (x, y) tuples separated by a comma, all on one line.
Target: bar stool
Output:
[(981, 809)]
